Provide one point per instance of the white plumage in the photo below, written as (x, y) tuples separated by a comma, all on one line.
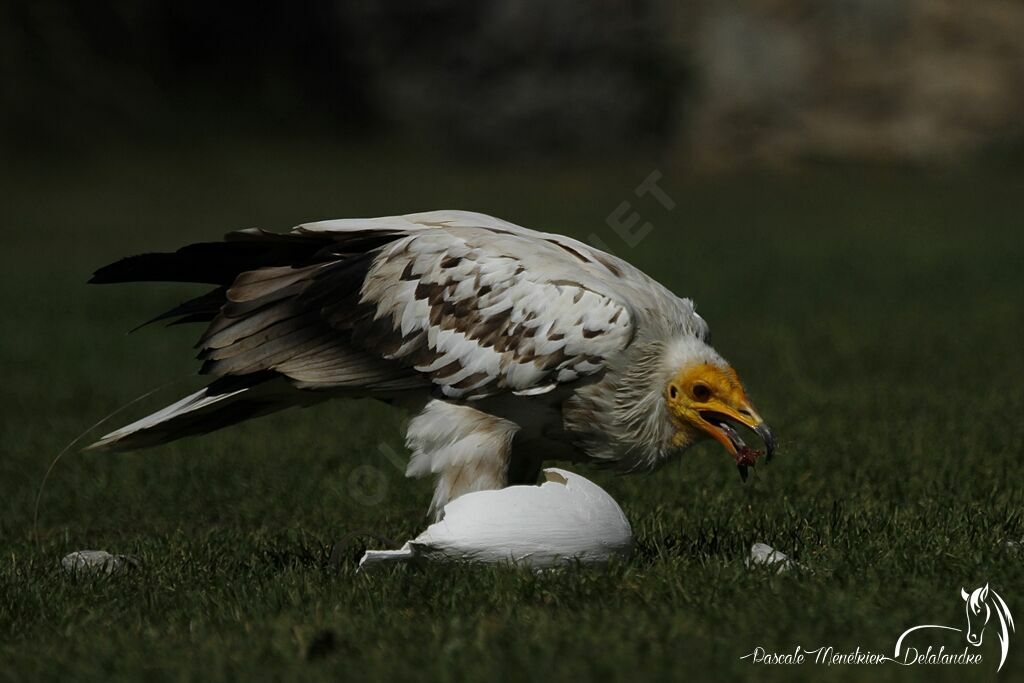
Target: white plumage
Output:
[(506, 342)]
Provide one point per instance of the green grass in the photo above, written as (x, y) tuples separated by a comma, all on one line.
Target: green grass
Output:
[(875, 316)]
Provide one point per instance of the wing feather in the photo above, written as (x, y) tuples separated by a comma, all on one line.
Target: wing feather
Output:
[(468, 304), (474, 307), (480, 313)]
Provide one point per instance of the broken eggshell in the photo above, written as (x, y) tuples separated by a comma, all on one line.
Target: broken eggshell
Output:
[(565, 520)]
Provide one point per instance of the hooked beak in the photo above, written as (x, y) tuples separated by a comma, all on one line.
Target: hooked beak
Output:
[(718, 419)]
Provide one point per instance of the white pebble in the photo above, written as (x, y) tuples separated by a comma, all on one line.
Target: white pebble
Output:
[(96, 561), (762, 554)]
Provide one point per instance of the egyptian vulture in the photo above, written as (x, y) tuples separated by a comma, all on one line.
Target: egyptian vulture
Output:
[(509, 345)]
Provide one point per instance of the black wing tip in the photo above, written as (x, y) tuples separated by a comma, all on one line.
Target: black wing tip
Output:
[(128, 269), (107, 274)]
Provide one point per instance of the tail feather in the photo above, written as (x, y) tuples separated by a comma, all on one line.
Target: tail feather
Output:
[(260, 280), (207, 410), (202, 308)]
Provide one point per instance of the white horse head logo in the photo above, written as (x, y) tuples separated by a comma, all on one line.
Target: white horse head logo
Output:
[(980, 604)]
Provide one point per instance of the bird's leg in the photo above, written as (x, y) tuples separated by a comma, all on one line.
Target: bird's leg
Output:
[(526, 461), (467, 449)]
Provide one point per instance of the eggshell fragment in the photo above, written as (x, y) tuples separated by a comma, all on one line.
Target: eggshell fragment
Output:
[(566, 519)]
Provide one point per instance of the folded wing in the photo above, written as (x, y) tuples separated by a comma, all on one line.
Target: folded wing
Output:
[(460, 304)]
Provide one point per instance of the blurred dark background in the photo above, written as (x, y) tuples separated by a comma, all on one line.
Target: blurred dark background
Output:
[(846, 186), (706, 84)]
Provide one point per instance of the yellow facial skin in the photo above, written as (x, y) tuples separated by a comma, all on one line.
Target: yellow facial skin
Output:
[(713, 391)]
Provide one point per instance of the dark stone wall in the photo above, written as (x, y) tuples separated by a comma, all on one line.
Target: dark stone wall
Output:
[(711, 84)]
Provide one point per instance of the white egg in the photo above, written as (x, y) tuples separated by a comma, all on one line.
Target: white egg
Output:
[(566, 519)]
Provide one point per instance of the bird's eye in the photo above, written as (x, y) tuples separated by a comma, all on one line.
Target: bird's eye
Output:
[(673, 391), (701, 392)]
